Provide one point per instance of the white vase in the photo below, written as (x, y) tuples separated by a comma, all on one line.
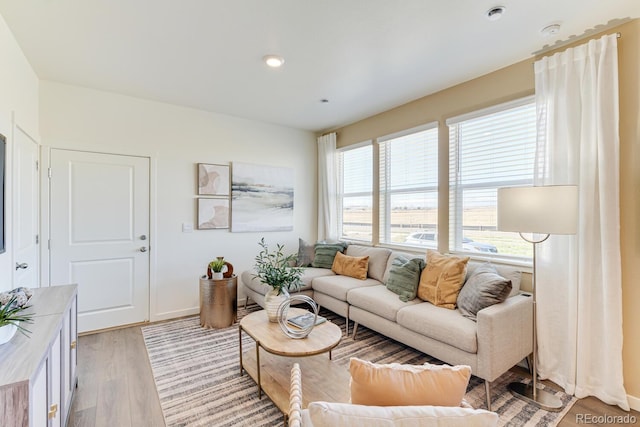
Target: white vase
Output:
[(272, 302), (217, 276), (7, 332)]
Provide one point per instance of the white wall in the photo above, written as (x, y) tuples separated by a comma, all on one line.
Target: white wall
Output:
[(177, 138), (19, 104)]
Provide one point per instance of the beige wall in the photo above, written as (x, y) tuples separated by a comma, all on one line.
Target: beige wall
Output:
[(517, 81)]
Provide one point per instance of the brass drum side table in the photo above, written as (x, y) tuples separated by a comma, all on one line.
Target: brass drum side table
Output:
[(218, 302)]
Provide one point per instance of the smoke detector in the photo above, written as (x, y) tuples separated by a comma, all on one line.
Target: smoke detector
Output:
[(495, 13), (550, 30)]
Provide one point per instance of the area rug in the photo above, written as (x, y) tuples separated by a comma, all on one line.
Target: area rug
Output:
[(197, 376)]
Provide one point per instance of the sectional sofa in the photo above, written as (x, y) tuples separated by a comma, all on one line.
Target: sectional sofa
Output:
[(499, 338)]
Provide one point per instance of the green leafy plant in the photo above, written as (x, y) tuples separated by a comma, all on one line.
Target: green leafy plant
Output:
[(217, 265), (12, 314), (275, 268)]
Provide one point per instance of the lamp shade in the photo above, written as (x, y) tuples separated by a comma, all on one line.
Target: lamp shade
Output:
[(544, 210)]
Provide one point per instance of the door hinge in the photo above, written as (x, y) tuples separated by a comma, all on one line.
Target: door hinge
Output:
[(49, 244), (37, 239), (49, 172), (37, 165)]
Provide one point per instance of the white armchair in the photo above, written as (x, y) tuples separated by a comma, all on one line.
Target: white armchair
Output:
[(321, 414)]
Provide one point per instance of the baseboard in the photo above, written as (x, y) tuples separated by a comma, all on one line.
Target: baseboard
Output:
[(167, 315), (634, 402)]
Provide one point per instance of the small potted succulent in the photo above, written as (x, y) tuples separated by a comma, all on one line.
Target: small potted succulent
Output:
[(216, 266), (12, 306), (276, 270)]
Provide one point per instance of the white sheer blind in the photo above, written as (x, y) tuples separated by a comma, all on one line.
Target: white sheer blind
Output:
[(489, 149), (356, 198), (408, 183)]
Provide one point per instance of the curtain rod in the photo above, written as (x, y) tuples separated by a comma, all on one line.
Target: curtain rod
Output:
[(564, 43)]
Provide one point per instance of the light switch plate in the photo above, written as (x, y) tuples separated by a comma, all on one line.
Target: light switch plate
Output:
[(187, 227)]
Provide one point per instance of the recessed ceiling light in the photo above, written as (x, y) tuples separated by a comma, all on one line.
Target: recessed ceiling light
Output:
[(495, 13), (550, 30), (324, 100), (273, 61)]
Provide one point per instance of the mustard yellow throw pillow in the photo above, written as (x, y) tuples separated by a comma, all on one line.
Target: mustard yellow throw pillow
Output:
[(352, 266), (405, 385), (442, 279)]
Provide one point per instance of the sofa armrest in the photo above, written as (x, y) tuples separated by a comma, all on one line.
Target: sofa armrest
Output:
[(295, 397), (505, 335)]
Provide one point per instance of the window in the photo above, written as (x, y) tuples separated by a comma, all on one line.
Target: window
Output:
[(355, 201), (409, 187), (489, 149)]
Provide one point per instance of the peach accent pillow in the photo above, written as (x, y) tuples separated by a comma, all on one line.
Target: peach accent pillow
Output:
[(404, 385), (442, 279), (352, 266)]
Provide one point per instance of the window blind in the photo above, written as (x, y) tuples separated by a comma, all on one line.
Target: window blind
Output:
[(488, 150), (356, 193), (408, 175)]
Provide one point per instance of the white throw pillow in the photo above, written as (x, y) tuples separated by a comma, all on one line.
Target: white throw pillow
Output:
[(325, 414)]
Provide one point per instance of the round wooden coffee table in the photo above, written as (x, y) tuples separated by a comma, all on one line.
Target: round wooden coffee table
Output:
[(268, 336)]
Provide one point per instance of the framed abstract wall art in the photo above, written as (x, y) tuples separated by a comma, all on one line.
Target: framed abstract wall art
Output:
[(213, 180), (261, 198), (213, 214)]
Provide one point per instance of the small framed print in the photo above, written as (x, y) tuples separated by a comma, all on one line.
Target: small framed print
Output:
[(213, 180), (213, 214)]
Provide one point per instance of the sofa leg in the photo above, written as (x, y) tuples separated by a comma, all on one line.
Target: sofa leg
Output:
[(487, 390), (346, 326), (246, 300), (355, 330)]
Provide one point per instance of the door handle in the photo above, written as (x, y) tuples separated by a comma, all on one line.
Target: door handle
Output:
[(22, 266), (143, 249)]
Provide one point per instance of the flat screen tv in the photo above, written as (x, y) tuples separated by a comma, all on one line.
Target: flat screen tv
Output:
[(3, 151)]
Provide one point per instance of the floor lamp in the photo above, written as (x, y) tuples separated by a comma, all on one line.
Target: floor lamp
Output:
[(544, 211)]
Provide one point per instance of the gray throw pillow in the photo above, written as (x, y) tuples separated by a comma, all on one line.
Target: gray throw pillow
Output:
[(485, 287), (305, 254), (404, 277), (324, 253)]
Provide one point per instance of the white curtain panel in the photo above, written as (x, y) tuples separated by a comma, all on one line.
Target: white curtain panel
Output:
[(579, 285), (327, 188)]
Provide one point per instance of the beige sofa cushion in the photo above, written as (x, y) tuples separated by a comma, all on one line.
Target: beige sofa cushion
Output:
[(352, 266), (338, 286), (379, 300), (395, 384), (377, 259), (442, 279), (325, 414), (447, 326)]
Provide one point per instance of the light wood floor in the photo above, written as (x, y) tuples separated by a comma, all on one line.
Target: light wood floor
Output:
[(116, 388)]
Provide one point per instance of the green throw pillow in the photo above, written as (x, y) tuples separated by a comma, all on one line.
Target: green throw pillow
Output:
[(404, 277), (325, 253)]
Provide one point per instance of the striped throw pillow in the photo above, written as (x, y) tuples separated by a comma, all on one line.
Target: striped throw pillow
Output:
[(404, 277)]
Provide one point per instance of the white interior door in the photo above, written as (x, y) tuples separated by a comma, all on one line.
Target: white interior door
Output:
[(100, 235), (25, 211)]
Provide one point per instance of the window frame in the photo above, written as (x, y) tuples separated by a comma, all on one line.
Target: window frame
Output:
[(385, 193), (456, 189), (341, 194)]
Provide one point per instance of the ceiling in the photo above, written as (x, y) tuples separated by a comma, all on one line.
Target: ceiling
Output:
[(364, 56)]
